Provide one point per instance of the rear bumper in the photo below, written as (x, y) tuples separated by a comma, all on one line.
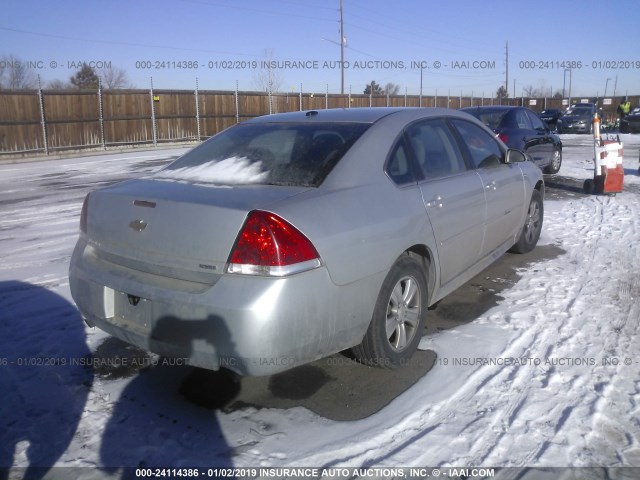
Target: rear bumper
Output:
[(628, 127), (574, 128), (251, 325)]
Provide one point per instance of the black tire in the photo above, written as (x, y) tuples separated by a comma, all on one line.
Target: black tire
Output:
[(399, 317), (532, 225), (588, 186), (556, 162)]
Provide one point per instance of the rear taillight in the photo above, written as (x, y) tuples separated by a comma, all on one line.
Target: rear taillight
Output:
[(503, 137), (83, 214), (269, 245)]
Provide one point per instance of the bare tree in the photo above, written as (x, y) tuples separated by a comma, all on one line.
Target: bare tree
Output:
[(15, 74), (540, 91), (391, 89), (543, 90), (58, 84), (267, 78), (114, 78)]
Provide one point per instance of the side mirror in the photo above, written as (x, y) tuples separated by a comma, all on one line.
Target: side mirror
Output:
[(515, 156)]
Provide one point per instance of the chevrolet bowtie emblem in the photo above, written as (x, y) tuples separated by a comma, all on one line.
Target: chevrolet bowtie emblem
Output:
[(138, 225)]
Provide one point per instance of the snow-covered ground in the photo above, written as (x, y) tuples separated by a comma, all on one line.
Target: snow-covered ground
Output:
[(549, 377)]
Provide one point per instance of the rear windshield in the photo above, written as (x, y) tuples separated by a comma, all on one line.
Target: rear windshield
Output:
[(267, 154), (491, 118), (582, 111)]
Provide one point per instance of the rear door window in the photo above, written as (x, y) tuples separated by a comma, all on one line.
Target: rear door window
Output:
[(522, 120), (482, 147), (535, 121), (399, 164), (435, 149)]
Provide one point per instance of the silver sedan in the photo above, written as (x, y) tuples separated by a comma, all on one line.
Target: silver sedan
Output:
[(290, 237)]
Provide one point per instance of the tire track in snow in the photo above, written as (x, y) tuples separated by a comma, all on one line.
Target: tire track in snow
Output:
[(595, 311), (564, 344), (490, 437), (497, 441), (620, 391), (487, 431)]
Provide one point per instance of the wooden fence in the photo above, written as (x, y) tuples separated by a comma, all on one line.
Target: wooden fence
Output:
[(42, 121)]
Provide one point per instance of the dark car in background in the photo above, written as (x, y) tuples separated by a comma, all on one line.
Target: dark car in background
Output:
[(522, 129), (578, 119), (550, 116), (631, 123)]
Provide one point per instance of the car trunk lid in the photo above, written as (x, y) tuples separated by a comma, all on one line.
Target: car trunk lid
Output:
[(174, 229)]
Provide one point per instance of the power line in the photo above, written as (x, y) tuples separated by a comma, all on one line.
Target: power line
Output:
[(116, 42), (258, 10), (418, 44), (319, 7), (439, 36)]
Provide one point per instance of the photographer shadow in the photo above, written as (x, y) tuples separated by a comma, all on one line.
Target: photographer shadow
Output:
[(152, 425), (43, 381)]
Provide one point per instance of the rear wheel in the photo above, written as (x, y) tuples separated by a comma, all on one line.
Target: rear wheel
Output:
[(556, 162), (532, 225), (398, 318), (588, 186)]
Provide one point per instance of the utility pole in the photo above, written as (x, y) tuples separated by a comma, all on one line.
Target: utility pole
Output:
[(420, 87), (341, 51), (506, 80)]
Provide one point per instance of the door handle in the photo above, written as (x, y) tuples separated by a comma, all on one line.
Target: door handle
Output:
[(435, 202), (491, 185)]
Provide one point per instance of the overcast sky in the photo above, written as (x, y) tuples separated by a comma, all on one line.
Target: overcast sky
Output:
[(459, 43)]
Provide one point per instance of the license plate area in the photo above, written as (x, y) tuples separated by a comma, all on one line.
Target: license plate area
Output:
[(131, 312)]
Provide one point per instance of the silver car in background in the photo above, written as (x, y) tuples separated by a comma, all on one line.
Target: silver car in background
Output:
[(294, 236)]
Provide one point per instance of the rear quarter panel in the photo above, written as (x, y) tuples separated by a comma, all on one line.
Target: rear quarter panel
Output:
[(360, 231)]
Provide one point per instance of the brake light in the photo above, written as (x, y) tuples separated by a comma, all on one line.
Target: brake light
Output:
[(269, 245), (503, 137), (83, 214)]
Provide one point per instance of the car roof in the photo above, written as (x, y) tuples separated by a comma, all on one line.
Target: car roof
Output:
[(357, 115), (491, 108)]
